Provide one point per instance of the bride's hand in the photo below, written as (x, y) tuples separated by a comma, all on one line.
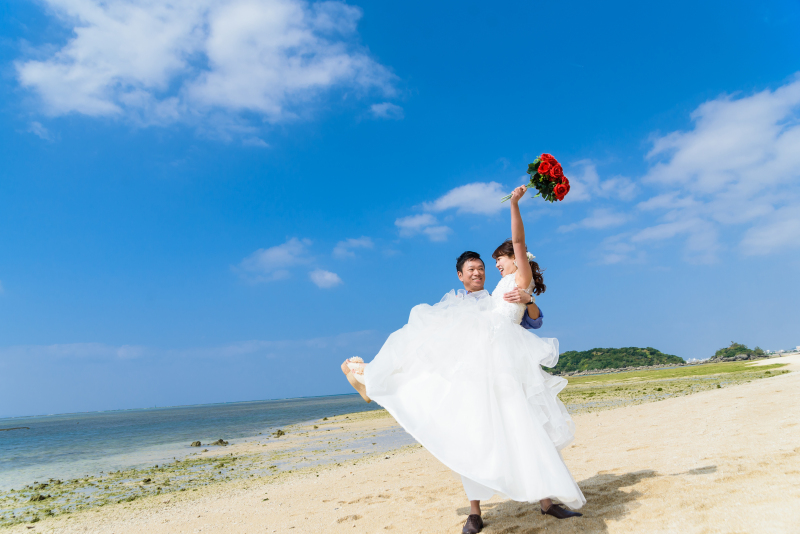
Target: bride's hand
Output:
[(518, 193)]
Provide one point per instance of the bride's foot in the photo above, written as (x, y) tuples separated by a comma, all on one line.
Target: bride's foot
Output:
[(354, 369)]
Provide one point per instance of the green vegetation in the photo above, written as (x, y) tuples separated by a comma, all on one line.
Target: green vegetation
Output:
[(737, 348), (613, 390), (679, 372), (612, 359)]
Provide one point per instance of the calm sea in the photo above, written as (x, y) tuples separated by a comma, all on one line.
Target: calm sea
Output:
[(73, 445)]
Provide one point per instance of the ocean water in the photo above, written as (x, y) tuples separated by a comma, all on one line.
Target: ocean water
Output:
[(73, 445)]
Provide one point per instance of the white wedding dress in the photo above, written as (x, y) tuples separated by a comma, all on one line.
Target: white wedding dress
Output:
[(464, 378)]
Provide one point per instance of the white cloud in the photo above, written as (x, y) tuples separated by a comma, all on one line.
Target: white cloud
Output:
[(344, 249), (363, 341), (617, 249), (600, 218), (478, 197), (324, 279), (737, 168), (424, 223), (274, 263), (40, 131), (585, 184), (75, 350), (387, 110), (157, 62), (255, 141), (778, 232)]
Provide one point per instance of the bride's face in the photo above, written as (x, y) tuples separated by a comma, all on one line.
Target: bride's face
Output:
[(505, 265)]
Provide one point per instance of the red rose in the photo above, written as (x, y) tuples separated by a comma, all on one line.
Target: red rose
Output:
[(544, 167), (560, 191), (548, 158), (557, 172), (565, 182)]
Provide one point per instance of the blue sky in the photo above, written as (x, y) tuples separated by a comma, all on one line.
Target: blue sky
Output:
[(213, 201)]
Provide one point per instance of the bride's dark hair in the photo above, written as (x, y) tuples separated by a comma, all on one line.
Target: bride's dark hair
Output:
[(507, 249)]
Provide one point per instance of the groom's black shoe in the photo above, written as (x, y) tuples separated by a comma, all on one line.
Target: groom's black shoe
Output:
[(560, 513), (473, 525)]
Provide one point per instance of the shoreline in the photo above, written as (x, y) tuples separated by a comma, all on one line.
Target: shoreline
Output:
[(178, 406), (693, 464), (316, 447)]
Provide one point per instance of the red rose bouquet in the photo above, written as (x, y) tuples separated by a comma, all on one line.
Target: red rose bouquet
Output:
[(548, 178)]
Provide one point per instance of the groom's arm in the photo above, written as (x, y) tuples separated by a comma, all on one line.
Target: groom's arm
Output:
[(532, 324)]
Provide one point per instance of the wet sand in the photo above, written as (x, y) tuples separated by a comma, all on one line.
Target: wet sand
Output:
[(721, 460)]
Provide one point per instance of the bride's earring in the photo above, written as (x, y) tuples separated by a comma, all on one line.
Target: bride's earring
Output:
[(515, 264)]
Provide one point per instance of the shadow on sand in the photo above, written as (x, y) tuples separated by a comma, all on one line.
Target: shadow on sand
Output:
[(608, 498)]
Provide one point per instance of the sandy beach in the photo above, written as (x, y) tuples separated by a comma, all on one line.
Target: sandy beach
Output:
[(722, 460)]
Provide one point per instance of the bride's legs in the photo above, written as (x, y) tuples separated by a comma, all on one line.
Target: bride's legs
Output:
[(353, 368), (545, 504)]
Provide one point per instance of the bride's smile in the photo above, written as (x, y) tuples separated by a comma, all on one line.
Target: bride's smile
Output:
[(505, 265)]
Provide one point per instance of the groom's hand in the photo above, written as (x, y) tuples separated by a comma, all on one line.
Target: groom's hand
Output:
[(517, 295)]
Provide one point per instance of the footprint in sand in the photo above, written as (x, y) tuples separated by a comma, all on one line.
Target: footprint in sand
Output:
[(348, 518)]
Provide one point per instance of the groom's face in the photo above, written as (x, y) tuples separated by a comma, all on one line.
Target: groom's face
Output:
[(472, 275)]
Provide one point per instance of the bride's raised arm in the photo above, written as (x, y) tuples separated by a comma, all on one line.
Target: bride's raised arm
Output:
[(524, 275)]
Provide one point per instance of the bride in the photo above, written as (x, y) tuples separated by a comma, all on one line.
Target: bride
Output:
[(465, 380)]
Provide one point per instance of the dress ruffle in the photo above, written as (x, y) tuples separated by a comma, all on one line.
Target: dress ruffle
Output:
[(467, 384)]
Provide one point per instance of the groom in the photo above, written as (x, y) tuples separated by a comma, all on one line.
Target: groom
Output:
[(472, 273)]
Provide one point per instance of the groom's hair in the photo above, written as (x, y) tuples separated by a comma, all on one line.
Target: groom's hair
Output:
[(465, 257)]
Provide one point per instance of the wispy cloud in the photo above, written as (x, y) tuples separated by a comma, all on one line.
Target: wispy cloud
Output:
[(37, 129), (600, 219), (585, 184), (478, 197), (387, 110), (425, 224), (344, 249), (780, 230), (275, 263), (355, 341), (76, 351), (202, 60), (737, 168), (255, 141), (324, 279)]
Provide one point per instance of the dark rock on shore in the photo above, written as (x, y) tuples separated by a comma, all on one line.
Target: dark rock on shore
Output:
[(620, 369), (195, 444), (39, 497), (737, 358), (278, 433), (219, 442)]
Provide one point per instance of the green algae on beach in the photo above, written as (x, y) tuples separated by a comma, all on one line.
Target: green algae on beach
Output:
[(300, 450), (613, 390)]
